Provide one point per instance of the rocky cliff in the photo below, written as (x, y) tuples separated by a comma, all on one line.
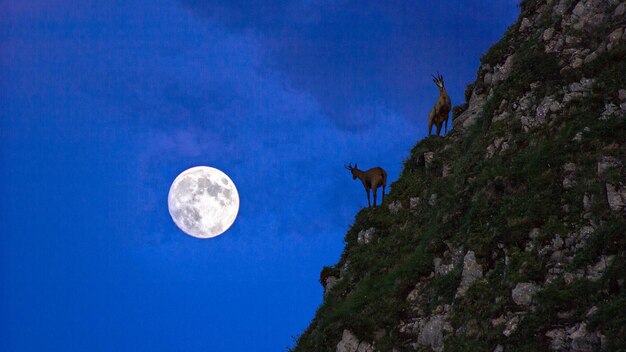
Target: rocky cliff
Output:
[(509, 234)]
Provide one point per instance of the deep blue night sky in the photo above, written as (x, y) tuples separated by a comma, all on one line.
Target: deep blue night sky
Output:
[(103, 103)]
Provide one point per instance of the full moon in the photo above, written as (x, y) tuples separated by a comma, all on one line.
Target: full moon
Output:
[(203, 202)]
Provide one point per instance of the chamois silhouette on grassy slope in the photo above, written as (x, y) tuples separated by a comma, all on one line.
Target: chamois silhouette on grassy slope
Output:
[(439, 114), (371, 179)]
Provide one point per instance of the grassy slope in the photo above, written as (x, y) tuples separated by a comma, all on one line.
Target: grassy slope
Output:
[(486, 202)]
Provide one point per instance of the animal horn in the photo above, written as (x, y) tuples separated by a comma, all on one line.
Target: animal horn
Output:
[(349, 167), (434, 78)]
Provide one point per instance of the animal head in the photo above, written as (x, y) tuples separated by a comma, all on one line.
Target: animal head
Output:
[(438, 81), (352, 170)]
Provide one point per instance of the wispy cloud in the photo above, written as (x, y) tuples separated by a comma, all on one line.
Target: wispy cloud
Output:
[(354, 56)]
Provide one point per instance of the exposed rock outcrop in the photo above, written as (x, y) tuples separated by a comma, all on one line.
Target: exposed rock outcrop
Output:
[(523, 293), (472, 271), (365, 236), (349, 343)]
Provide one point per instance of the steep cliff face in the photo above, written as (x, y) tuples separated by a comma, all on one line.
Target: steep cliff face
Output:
[(509, 234)]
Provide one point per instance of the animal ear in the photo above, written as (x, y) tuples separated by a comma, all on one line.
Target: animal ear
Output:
[(434, 79), (355, 166)]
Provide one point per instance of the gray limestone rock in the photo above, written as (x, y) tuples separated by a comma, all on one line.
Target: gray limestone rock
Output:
[(616, 196), (472, 271), (569, 170), (395, 207), (431, 333), (583, 340), (331, 281), (557, 242), (548, 34), (587, 201), (414, 202), (415, 293), (440, 268), (593, 310), (511, 325), (433, 199), (555, 45), (576, 87), (349, 343), (619, 10), (579, 9), (498, 321), (560, 7), (428, 159), (495, 146), (573, 96), (501, 117), (365, 236), (595, 272), (577, 62), (558, 339), (488, 78), (502, 72), (344, 268), (588, 14), (584, 233), (534, 233), (579, 136), (571, 40), (591, 57), (610, 110), (574, 338), (548, 104), (614, 38), (587, 83), (525, 25), (468, 117), (523, 293)]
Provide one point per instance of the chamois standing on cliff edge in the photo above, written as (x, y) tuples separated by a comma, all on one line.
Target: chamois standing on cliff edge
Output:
[(371, 179), (439, 114)]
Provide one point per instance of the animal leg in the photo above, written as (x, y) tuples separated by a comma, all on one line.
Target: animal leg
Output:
[(368, 198), (438, 128), (430, 121), (446, 130), (375, 197), (383, 200)]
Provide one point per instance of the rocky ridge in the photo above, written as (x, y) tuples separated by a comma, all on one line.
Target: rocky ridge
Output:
[(509, 234)]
